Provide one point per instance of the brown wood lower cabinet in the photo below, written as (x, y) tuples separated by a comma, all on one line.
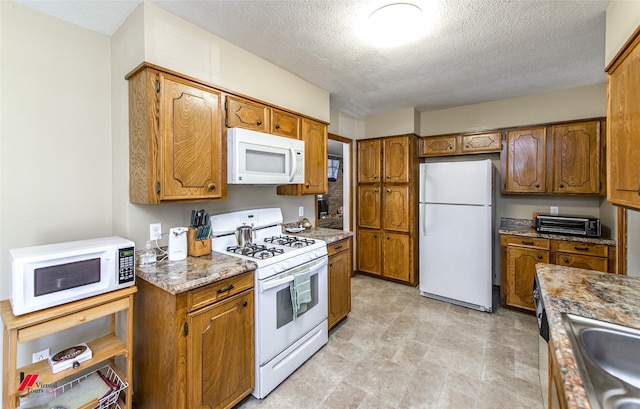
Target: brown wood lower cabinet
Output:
[(340, 268), (196, 349), (386, 254), (519, 256)]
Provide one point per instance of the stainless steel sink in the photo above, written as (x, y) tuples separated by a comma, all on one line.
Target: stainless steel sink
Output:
[(608, 358)]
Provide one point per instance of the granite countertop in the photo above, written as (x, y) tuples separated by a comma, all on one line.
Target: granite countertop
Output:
[(327, 235), (177, 277), (602, 296), (524, 227)]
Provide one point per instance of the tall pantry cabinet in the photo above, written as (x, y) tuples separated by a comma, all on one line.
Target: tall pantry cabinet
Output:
[(386, 212)]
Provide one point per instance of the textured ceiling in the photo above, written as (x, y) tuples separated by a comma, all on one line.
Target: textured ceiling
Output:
[(476, 50)]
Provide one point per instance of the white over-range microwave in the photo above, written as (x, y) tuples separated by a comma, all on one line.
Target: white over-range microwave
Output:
[(55, 274), (257, 158)]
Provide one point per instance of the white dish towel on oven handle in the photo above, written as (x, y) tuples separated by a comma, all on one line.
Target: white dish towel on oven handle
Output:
[(300, 293)]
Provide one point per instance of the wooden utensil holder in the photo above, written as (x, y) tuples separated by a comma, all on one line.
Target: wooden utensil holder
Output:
[(195, 247)]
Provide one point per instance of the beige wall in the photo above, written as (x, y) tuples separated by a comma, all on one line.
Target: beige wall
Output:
[(64, 136), (623, 17), (216, 61), (55, 141), (398, 122), (574, 103)]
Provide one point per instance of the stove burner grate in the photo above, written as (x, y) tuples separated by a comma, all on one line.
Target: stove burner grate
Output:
[(290, 241), (255, 250)]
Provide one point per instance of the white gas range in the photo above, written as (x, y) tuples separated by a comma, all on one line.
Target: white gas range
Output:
[(285, 336)]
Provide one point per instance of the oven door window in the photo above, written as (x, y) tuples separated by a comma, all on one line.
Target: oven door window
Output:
[(284, 307)]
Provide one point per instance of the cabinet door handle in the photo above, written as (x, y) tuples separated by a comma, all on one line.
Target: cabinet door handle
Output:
[(337, 247), (566, 260), (226, 289), (375, 190), (331, 265), (540, 256), (582, 248), (537, 185), (528, 243), (388, 177), (561, 185), (375, 176), (388, 190), (638, 192), (212, 186), (259, 122), (244, 304), (277, 126)]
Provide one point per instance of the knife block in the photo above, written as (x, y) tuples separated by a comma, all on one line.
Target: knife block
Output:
[(195, 247)]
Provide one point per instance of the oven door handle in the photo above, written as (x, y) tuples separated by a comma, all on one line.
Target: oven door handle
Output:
[(287, 276)]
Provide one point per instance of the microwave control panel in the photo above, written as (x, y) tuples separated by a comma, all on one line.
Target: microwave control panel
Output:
[(126, 265)]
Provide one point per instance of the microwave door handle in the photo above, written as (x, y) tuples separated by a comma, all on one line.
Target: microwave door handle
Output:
[(294, 163)]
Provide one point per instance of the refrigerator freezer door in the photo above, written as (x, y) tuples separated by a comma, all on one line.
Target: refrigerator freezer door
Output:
[(456, 254), (457, 182)]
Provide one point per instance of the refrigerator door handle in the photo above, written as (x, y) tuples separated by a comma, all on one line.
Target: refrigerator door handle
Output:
[(423, 218)]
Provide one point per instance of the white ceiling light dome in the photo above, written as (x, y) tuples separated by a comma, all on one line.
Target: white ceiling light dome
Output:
[(396, 24)]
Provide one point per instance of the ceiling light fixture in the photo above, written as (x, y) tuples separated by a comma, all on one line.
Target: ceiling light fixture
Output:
[(396, 24)]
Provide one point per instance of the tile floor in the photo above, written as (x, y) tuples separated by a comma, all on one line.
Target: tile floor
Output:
[(400, 350)]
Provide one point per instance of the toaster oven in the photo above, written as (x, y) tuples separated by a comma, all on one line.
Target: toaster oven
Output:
[(584, 226)]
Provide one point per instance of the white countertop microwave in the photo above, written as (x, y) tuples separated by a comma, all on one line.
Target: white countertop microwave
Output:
[(54, 274), (258, 158)]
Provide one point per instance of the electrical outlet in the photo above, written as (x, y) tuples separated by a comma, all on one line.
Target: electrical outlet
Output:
[(553, 209), (301, 211), (155, 231), (39, 356)]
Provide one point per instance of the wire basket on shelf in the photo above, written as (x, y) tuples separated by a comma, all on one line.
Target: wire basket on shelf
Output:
[(108, 401)]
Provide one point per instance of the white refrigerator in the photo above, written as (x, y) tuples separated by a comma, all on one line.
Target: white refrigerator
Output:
[(456, 223)]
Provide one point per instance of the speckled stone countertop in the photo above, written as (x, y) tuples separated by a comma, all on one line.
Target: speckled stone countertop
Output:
[(327, 235), (524, 227), (176, 277), (602, 296)]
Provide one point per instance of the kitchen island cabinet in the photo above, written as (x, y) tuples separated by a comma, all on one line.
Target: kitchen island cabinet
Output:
[(623, 127), (195, 338), (175, 138), (386, 215)]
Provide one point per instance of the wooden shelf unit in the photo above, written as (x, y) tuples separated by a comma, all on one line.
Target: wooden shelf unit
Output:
[(25, 328)]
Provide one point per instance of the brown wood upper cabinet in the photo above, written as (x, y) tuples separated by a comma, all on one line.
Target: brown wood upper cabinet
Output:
[(561, 158), (623, 133), (316, 146), (285, 124), (445, 145), (244, 113), (175, 140), (386, 160), (525, 164)]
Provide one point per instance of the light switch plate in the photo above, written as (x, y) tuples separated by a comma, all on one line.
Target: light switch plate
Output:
[(553, 209), (301, 211)]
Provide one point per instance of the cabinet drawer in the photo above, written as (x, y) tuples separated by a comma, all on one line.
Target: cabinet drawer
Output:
[(211, 293), (337, 247), (526, 242), (598, 250), (585, 262)]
